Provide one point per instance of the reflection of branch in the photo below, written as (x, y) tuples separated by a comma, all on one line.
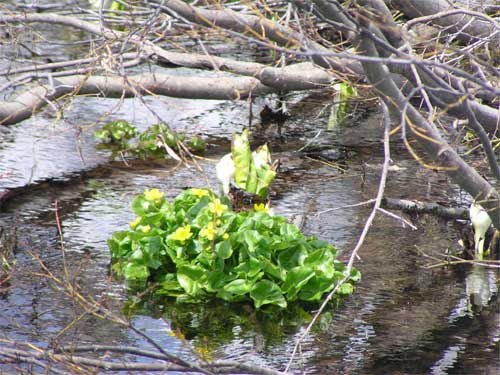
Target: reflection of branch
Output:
[(368, 223), (35, 357), (94, 308), (487, 263)]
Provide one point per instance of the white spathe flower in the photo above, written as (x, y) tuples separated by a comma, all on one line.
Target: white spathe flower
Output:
[(261, 157), (481, 222), (224, 171)]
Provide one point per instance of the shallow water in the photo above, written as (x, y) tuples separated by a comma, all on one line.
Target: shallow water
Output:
[(402, 319)]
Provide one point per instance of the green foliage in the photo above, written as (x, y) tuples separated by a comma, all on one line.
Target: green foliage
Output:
[(157, 141), (253, 172), (196, 247), (345, 93), (152, 142), (117, 133)]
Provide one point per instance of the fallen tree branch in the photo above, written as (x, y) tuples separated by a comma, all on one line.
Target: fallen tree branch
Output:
[(466, 25), (418, 207), (300, 77), (400, 65), (428, 136), (254, 28), (28, 77), (272, 77), (312, 79), (222, 88)]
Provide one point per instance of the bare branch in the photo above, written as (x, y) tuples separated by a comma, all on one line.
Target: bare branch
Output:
[(466, 24), (428, 137)]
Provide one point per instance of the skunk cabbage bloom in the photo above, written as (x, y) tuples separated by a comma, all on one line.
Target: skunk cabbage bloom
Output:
[(481, 222), (225, 172), (261, 157)]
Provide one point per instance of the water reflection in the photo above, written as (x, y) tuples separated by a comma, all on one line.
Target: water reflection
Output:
[(481, 285), (402, 318)]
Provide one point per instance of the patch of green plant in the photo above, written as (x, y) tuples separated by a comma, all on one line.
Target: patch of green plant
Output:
[(196, 247), (117, 133), (253, 170), (153, 142), (345, 93)]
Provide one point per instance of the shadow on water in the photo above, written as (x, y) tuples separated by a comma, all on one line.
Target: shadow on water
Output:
[(403, 318)]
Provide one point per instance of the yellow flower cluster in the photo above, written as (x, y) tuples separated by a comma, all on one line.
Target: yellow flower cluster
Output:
[(135, 223), (216, 207), (199, 192), (260, 207), (143, 228), (209, 232), (153, 195), (182, 234)]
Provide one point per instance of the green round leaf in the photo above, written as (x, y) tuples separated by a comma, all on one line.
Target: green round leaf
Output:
[(266, 292)]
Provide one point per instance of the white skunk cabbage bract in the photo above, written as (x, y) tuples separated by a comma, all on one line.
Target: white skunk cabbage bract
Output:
[(224, 171), (250, 171), (481, 222)]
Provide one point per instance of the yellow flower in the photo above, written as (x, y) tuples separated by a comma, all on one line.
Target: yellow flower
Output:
[(182, 234), (135, 223), (209, 231), (145, 228), (153, 195), (178, 334), (199, 192), (260, 207), (225, 236), (216, 207), (218, 222)]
